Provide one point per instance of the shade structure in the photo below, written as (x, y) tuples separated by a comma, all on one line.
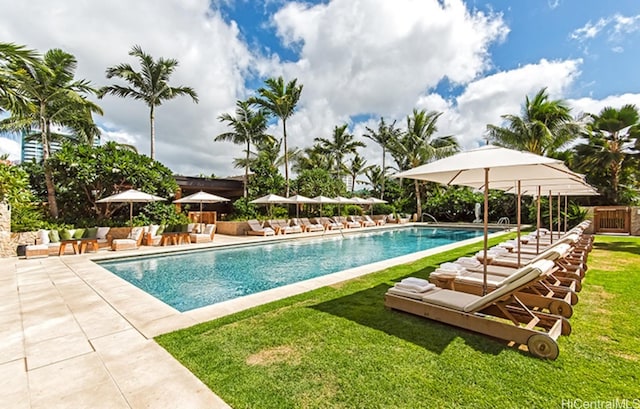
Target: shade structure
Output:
[(321, 200), (201, 197), (344, 200), (131, 196), (269, 200), (299, 199), (486, 165)]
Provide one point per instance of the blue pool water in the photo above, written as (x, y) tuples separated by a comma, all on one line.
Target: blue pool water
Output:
[(194, 279)]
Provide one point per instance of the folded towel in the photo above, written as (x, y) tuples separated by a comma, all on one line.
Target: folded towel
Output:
[(414, 281), (453, 267), (438, 271), (415, 288), (468, 262)]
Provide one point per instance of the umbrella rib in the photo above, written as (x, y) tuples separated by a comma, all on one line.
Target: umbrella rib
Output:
[(454, 178)]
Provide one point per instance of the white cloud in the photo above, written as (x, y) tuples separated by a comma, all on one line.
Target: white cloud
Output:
[(11, 147), (618, 26), (594, 106), (213, 60)]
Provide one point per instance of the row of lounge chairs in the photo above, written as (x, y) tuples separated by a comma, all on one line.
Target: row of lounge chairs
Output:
[(527, 304), (304, 224)]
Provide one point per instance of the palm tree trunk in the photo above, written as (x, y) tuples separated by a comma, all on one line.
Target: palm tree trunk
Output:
[(45, 132), (153, 131), (286, 157), (246, 170), (384, 171), (418, 201)]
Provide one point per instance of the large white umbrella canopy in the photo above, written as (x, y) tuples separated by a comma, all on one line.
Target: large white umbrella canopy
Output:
[(484, 166), (131, 196), (324, 200), (270, 199), (374, 200), (201, 197), (298, 199), (344, 200)]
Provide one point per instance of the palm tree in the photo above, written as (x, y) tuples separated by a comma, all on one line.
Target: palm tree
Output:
[(312, 158), (356, 167), (383, 137), (248, 127), (417, 146), (150, 85), (13, 57), (52, 97), (375, 177), (343, 143), (280, 100), (610, 135), (544, 127)]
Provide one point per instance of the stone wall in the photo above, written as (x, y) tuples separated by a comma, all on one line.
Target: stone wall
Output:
[(7, 249)]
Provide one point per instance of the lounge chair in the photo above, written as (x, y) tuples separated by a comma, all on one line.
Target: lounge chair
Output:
[(308, 226), (499, 314), (151, 236), (132, 242), (256, 229), (281, 226), (206, 236), (365, 221), (328, 223)]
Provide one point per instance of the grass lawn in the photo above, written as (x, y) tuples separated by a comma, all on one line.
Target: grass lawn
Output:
[(339, 347)]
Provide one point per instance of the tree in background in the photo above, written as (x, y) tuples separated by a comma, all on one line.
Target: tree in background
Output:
[(15, 190), (418, 146), (50, 96), (312, 158), (12, 58), (85, 174), (606, 157), (357, 166), (342, 143), (280, 99), (383, 137), (248, 127), (544, 127), (150, 84)]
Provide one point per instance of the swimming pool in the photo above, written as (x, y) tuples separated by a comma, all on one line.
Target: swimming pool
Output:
[(195, 279)]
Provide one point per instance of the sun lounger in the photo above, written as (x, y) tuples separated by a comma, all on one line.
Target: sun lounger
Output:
[(499, 314), (308, 226), (328, 223), (132, 242), (363, 221), (206, 236), (346, 223), (281, 226), (256, 229)]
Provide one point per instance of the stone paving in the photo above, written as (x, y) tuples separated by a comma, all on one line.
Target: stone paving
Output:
[(73, 335)]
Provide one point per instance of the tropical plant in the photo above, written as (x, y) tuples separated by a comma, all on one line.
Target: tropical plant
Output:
[(248, 127), (280, 99), (375, 179), (606, 157), (419, 146), (12, 58), (312, 158), (266, 178), (357, 166), (342, 143), (150, 84), (544, 127), (53, 97), (15, 190), (383, 137), (85, 174)]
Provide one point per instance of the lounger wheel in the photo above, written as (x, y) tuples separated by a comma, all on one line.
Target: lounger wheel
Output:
[(542, 346), (561, 308)]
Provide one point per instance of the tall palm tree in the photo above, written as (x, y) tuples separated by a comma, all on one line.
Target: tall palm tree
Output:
[(53, 97), (341, 144), (418, 145), (280, 99), (544, 127), (356, 167), (249, 127), (14, 57), (375, 177), (610, 134), (383, 137), (312, 158), (150, 84)]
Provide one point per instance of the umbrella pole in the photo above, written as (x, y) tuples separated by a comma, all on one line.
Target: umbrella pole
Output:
[(538, 222), (519, 217), (566, 200), (131, 214), (558, 213), (486, 230), (551, 215)]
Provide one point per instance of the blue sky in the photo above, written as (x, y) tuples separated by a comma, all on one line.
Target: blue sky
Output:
[(358, 60)]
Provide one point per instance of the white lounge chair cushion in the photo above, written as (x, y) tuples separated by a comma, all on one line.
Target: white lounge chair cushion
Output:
[(44, 237), (101, 234)]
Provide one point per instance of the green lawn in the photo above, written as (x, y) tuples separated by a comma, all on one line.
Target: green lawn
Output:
[(339, 347)]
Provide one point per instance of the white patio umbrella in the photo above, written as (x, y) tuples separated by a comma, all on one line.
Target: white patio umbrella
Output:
[(269, 200), (201, 197), (485, 165), (373, 201), (131, 196), (322, 200), (299, 199)]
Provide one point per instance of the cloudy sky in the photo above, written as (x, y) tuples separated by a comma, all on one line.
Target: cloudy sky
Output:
[(358, 60)]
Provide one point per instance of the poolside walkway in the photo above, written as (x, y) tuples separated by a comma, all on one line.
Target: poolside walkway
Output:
[(73, 335)]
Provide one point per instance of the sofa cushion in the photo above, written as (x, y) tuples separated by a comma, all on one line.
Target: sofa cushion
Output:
[(53, 237), (65, 234), (102, 233), (91, 233), (78, 233), (153, 230)]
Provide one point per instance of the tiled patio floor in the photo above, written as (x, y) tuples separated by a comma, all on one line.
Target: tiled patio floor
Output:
[(73, 335)]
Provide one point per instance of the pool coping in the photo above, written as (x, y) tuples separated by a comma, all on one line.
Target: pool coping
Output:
[(152, 317)]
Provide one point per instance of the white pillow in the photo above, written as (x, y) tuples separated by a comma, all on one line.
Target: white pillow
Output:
[(102, 233), (153, 229), (44, 237)]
